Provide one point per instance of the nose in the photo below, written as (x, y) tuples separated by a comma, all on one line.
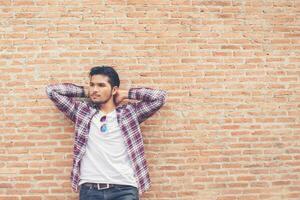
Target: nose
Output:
[(94, 89)]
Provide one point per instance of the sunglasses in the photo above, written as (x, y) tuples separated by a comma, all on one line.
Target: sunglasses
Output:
[(103, 127)]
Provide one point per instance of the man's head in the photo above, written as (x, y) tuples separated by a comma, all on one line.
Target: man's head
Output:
[(104, 82)]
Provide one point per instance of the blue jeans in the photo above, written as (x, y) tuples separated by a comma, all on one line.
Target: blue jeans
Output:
[(124, 192)]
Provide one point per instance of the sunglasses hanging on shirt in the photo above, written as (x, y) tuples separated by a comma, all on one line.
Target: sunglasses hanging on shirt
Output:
[(103, 127)]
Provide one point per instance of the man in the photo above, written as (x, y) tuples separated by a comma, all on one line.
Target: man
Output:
[(109, 161)]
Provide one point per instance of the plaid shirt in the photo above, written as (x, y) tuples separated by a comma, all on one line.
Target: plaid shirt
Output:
[(129, 117)]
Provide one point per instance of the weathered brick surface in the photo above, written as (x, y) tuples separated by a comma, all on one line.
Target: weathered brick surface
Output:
[(230, 129)]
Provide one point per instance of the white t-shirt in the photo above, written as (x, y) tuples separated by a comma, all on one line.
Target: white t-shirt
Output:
[(106, 159)]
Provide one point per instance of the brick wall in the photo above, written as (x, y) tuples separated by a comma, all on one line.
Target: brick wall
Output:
[(230, 129)]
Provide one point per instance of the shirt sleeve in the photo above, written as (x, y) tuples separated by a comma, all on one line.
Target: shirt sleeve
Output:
[(150, 101), (63, 96)]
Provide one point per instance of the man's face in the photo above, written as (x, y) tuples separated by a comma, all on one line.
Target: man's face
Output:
[(100, 90)]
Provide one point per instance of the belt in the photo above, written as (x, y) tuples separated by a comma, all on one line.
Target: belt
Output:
[(99, 186)]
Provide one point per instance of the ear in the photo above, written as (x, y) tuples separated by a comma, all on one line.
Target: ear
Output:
[(115, 90)]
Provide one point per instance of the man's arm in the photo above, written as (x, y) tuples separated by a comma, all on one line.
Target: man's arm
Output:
[(63, 97), (150, 101)]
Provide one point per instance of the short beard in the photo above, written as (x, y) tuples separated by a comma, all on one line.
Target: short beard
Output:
[(103, 102)]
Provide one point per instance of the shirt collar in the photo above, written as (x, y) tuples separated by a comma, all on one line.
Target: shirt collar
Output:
[(107, 114)]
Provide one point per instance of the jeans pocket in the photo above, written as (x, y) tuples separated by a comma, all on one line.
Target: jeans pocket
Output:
[(124, 187), (130, 192), (83, 193)]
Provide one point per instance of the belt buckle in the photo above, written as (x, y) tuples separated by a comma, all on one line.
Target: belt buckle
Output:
[(99, 188)]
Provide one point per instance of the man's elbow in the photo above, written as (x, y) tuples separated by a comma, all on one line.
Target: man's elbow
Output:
[(49, 90), (163, 97)]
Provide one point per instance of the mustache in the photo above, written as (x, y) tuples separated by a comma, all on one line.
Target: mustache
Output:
[(94, 94)]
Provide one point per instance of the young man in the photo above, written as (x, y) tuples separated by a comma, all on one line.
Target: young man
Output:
[(109, 161)]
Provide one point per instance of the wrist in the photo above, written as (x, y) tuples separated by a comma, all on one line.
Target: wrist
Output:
[(124, 94), (85, 91)]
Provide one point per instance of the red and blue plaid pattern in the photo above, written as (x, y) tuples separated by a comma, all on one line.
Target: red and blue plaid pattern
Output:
[(130, 115)]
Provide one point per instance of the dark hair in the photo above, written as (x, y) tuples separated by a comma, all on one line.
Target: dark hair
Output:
[(113, 77)]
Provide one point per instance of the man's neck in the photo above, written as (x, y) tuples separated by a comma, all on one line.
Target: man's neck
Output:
[(107, 107)]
